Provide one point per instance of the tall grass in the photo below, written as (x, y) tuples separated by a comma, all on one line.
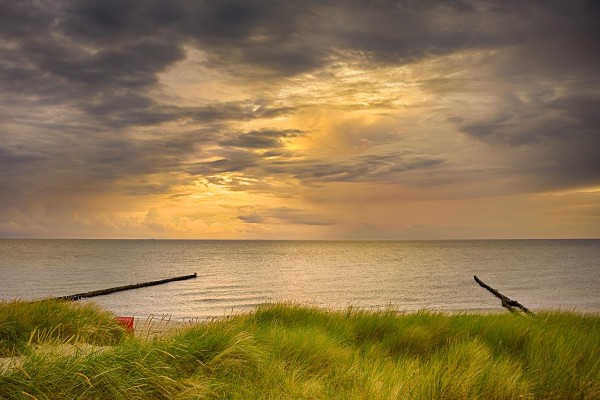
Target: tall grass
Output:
[(23, 323), (287, 351)]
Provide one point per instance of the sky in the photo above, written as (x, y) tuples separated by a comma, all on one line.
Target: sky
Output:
[(308, 119)]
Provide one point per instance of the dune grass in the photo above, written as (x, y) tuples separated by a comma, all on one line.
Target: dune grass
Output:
[(289, 351), (25, 323)]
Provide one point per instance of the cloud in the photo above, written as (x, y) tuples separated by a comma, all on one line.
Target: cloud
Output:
[(563, 119), (261, 139), (393, 167), (406, 93), (11, 159), (310, 170), (233, 111), (105, 57), (284, 215), (559, 136)]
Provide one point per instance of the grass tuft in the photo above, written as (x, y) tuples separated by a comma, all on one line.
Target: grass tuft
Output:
[(25, 323)]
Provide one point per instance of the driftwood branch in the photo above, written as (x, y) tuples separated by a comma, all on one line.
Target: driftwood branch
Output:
[(102, 292), (510, 305)]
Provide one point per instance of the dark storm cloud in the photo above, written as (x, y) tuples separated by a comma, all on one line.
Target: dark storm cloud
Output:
[(21, 18), (261, 139), (126, 108), (46, 63), (262, 32), (101, 60), (313, 171), (90, 162), (564, 119), (562, 136), (122, 65), (10, 158), (49, 48), (92, 51), (369, 168)]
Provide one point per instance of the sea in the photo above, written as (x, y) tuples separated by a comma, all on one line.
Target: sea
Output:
[(237, 276)]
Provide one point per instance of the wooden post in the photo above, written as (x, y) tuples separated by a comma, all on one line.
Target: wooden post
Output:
[(507, 303)]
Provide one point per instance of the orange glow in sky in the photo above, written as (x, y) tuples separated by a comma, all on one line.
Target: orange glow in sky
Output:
[(285, 120)]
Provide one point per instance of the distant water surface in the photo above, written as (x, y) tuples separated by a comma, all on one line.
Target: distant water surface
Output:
[(236, 276)]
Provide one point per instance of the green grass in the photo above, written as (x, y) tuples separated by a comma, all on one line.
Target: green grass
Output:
[(24, 323), (287, 351)]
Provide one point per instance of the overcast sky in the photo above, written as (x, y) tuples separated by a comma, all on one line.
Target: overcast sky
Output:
[(309, 119)]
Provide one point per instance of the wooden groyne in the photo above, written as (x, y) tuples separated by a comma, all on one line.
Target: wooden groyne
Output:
[(103, 292), (509, 304)]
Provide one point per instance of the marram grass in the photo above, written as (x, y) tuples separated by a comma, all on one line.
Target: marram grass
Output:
[(288, 351), (23, 323)]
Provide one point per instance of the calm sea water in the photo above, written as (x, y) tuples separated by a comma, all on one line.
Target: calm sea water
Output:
[(236, 276)]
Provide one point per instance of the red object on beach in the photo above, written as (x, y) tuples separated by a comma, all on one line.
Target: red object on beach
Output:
[(127, 322)]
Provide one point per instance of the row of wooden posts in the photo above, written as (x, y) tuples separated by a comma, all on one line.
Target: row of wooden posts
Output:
[(509, 304), (102, 292)]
